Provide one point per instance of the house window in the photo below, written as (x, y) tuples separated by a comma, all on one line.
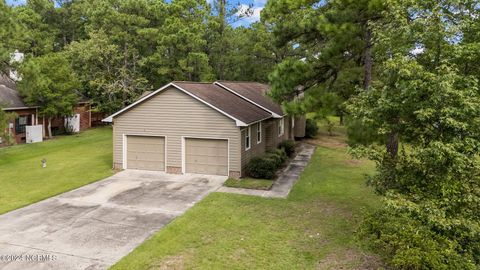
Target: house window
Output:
[(259, 133), (20, 124), (293, 122), (281, 126), (247, 138)]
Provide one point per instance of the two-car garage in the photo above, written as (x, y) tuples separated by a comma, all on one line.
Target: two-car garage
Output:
[(201, 156)]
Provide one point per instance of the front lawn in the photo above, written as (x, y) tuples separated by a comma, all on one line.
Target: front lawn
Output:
[(314, 228), (72, 161), (250, 183)]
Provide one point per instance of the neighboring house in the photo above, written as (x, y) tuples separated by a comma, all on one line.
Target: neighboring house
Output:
[(11, 101), (204, 128)]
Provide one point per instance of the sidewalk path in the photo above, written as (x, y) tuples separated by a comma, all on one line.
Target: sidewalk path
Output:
[(286, 180)]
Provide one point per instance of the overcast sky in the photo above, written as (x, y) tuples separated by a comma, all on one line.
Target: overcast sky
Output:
[(257, 7)]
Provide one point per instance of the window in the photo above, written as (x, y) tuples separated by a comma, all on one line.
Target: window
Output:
[(20, 124), (247, 138), (281, 126), (293, 122), (259, 133)]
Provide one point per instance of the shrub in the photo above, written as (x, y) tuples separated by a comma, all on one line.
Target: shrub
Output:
[(278, 156), (408, 243), (262, 167), (311, 128), (288, 146), (360, 134)]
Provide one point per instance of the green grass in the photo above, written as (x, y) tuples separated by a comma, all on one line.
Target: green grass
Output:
[(314, 228), (72, 161), (250, 183)]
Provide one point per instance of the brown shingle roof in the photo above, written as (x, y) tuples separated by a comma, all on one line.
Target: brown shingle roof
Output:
[(254, 92), (9, 96), (225, 101)]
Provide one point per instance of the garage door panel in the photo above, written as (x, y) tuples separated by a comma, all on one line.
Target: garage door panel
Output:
[(146, 153), (206, 156)]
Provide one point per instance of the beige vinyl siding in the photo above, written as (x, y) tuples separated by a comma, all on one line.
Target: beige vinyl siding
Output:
[(257, 149), (272, 137), (174, 114)]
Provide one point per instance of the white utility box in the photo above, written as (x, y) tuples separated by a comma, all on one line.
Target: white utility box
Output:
[(34, 133), (73, 123)]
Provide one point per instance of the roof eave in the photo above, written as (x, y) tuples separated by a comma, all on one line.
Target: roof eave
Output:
[(18, 108)]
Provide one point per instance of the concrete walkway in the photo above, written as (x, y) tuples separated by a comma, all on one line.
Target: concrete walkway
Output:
[(96, 225), (282, 186)]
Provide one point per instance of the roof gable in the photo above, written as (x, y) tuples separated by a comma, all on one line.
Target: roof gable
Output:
[(254, 92), (230, 105), (226, 101)]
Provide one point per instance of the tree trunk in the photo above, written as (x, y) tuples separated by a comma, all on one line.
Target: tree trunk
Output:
[(49, 128), (368, 59), (392, 145), (43, 127)]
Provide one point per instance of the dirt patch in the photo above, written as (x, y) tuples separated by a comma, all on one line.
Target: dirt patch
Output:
[(353, 162), (177, 262), (351, 259), (328, 141)]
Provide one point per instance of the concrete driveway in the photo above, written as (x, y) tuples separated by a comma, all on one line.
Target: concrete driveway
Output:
[(96, 225)]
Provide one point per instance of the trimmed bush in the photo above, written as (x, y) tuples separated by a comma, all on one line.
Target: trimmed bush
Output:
[(262, 167), (288, 146), (278, 156), (311, 128)]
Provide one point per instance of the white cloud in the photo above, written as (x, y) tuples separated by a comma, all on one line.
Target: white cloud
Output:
[(255, 17)]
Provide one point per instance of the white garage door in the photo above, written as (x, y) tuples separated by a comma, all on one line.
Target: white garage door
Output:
[(146, 153), (206, 156)]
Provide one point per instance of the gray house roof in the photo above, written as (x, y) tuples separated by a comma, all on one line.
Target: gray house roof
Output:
[(254, 92), (9, 96)]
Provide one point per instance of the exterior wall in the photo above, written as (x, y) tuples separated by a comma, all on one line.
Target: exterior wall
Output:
[(299, 128), (272, 137), (83, 110), (20, 138), (85, 116), (256, 149), (174, 114)]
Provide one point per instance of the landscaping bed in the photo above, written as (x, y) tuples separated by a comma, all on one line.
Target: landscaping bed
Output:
[(265, 169)]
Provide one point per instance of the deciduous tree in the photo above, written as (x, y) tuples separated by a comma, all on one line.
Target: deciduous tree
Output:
[(49, 82)]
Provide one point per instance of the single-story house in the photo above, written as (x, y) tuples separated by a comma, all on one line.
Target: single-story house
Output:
[(204, 128), (11, 101)]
